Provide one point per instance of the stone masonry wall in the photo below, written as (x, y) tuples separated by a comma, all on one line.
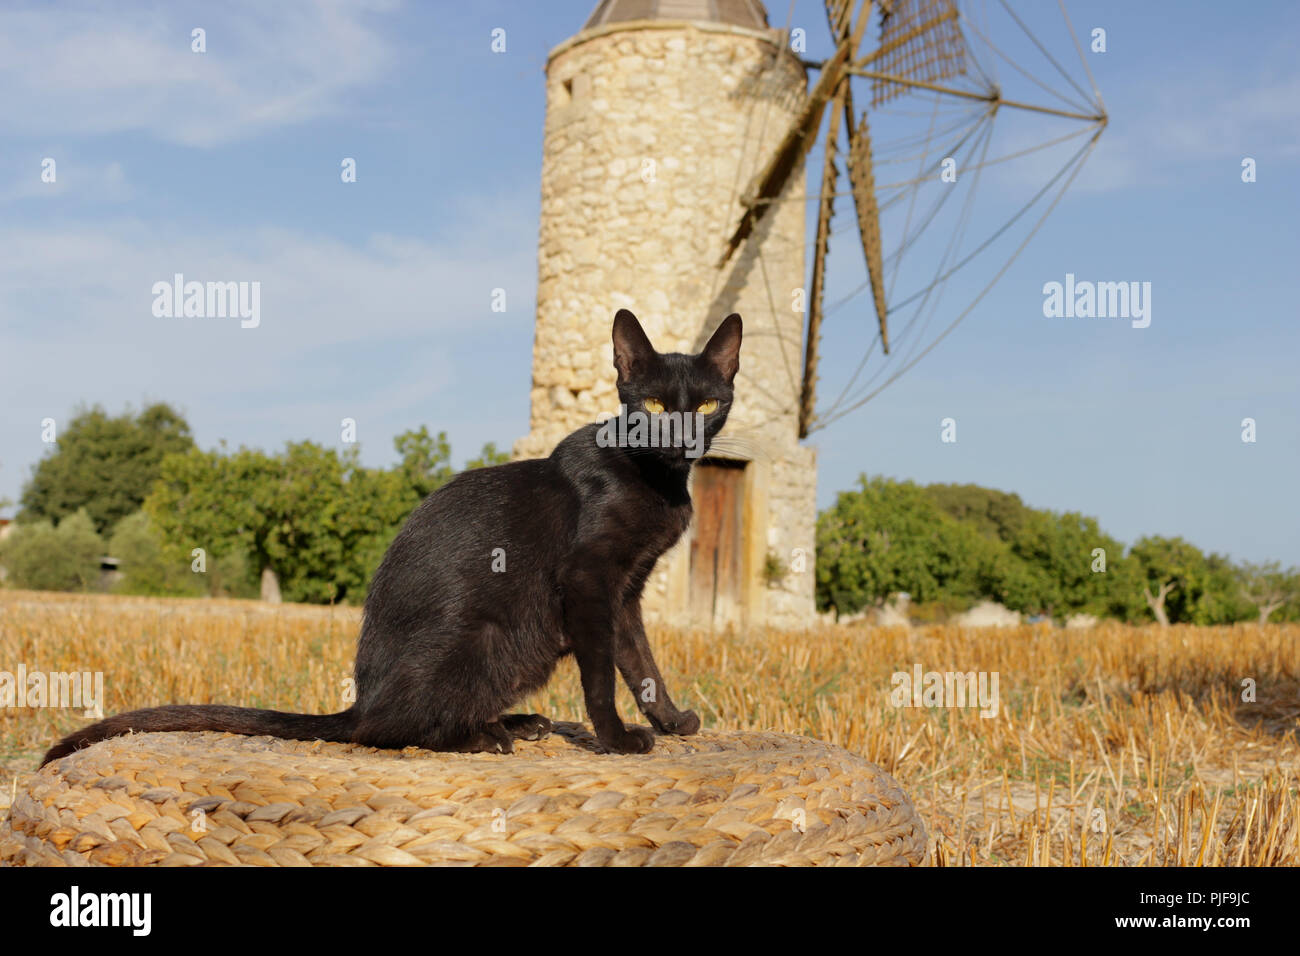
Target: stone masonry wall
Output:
[(653, 129)]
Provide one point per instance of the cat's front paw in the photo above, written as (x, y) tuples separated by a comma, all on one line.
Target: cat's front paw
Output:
[(682, 723), (632, 740), (526, 726)]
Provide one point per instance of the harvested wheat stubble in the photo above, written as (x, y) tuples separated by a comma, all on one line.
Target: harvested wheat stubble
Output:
[(714, 799)]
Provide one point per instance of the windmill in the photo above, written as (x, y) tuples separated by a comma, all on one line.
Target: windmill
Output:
[(921, 47), (675, 182)]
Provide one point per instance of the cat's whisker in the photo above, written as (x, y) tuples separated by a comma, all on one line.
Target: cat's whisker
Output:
[(741, 446)]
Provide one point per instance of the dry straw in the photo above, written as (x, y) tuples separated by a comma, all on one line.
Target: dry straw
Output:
[(715, 799), (1113, 746)]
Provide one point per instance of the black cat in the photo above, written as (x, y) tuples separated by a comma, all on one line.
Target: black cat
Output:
[(503, 571)]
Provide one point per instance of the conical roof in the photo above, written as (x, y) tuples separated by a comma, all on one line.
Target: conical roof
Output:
[(741, 13)]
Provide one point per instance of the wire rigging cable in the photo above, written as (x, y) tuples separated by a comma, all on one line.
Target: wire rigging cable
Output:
[(959, 127)]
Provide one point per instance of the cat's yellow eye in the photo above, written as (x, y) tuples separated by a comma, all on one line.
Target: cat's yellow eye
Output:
[(654, 406), (709, 407)]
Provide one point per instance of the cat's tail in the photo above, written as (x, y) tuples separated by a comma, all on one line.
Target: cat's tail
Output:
[(220, 717)]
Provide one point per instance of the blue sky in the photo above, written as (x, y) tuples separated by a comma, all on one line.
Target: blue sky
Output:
[(376, 295)]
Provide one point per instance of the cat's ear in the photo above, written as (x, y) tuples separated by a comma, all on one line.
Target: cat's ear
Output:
[(632, 348), (723, 350)]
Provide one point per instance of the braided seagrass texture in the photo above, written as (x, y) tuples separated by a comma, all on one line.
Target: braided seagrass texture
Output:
[(714, 799)]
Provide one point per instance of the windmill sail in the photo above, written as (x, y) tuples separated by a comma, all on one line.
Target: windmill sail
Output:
[(919, 40), (848, 35), (839, 15), (817, 292), (907, 164), (769, 183), (863, 180)]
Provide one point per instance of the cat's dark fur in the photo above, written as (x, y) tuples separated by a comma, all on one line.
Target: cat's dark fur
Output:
[(448, 644)]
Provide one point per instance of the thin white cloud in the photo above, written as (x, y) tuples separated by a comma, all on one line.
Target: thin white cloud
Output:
[(90, 183), (95, 283), (129, 67), (1176, 128), (360, 330)]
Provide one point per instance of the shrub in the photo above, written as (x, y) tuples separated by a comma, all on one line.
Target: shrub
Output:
[(40, 557), (147, 566)]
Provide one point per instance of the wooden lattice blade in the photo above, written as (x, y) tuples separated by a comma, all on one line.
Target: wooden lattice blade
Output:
[(817, 288), (798, 140), (838, 18), (919, 40), (863, 180)]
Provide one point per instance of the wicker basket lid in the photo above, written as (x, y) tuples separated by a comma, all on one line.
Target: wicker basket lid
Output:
[(711, 799)]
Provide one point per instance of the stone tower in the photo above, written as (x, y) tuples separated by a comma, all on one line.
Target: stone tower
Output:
[(658, 115)]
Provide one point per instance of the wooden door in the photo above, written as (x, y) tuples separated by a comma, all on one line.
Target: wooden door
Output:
[(716, 541)]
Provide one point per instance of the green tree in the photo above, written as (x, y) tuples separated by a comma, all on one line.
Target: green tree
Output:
[(230, 576), (377, 502), (1270, 590), (315, 518), (41, 557), (256, 505), (1055, 572), (998, 515), (147, 565), (1182, 585), (888, 537), (201, 501), (1016, 583), (954, 544), (488, 457), (1064, 549), (1220, 600), (103, 464), (425, 460)]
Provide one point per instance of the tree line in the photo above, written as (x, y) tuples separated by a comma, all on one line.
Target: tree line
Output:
[(948, 546), (181, 521), (311, 523)]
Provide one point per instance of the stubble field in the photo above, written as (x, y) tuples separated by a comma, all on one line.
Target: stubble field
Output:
[(1114, 746)]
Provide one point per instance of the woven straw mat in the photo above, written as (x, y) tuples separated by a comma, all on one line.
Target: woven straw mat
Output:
[(713, 799)]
